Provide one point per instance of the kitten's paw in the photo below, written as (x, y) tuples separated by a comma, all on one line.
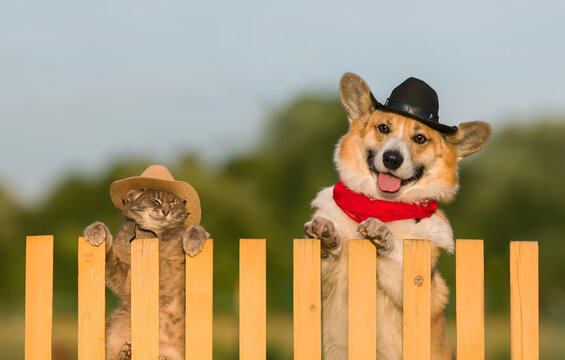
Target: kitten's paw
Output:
[(125, 353), (193, 239), (97, 233), (376, 231), (324, 229)]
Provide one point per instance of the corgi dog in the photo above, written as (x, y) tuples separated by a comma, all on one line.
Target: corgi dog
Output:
[(394, 155)]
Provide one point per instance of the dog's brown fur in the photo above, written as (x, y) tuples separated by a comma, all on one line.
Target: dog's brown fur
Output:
[(438, 156)]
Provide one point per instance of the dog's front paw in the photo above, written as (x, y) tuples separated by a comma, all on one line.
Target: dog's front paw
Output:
[(324, 229), (97, 233), (193, 239), (376, 231)]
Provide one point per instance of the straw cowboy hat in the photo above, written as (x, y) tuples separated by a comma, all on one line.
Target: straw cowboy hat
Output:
[(157, 177)]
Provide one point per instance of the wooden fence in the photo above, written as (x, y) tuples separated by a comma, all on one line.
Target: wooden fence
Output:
[(307, 302)]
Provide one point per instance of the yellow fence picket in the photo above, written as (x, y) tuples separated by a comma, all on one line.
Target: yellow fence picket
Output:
[(362, 329), (145, 299), (91, 300), (38, 297), (252, 299), (416, 300), (524, 301), (307, 309), (362, 299), (470, 307), (198, 334)]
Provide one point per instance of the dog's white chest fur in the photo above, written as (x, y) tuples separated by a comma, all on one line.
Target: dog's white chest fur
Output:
[(389, 275), (436, 228)]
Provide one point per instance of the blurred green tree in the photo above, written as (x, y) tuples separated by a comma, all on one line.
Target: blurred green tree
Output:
[(511, 190)]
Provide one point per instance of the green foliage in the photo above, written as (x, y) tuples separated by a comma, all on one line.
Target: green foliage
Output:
[(11, 240), (511, 190)]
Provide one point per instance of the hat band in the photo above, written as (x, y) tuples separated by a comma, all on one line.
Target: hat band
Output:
[(412, 110)]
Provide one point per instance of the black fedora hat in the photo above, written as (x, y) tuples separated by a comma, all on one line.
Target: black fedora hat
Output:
[(417, 100)]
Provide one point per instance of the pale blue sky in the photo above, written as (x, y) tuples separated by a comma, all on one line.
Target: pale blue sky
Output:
[(82, 83)]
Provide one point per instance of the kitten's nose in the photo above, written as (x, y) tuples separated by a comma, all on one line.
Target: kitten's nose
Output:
[(165, 212)]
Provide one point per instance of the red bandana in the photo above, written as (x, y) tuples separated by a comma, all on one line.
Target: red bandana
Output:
[(359, 207)]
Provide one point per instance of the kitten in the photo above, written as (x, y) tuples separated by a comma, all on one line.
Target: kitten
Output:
[(149, 214)]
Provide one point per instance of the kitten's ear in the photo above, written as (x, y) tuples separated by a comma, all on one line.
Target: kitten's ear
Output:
[(133, 195)]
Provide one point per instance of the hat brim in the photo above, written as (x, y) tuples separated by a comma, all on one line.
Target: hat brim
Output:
[(181, 189), (446, 129)]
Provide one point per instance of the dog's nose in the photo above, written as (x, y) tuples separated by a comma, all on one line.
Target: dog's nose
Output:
[(392, 160)]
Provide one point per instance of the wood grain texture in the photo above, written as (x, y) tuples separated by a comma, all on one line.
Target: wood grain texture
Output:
[(470, 293), (38, 297), (524, 300), (307, 306), (91, 300), (416, 300), (145, 299), (252, 299), (362, 300), (199, 301)]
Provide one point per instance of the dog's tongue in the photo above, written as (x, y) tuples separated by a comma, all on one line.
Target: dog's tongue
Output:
[(388, 183)]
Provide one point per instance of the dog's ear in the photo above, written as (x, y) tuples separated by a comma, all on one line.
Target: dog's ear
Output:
[(355, 96), (470, 138)]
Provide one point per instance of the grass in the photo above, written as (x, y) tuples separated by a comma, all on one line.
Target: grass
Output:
[(279, 337)]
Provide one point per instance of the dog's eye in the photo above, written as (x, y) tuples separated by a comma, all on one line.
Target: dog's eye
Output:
[(420, 139), (383, 129)]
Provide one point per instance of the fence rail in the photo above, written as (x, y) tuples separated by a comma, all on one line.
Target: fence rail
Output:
[(307, 300)]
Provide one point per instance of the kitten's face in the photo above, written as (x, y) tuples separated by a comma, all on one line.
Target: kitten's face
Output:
[(155, 210)]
